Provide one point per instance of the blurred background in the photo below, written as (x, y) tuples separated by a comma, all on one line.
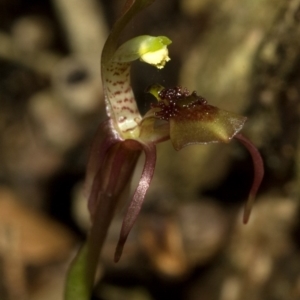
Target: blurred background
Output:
[(189, 241)]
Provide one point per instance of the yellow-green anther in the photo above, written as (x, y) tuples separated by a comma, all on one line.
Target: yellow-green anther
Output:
[(150, 49), (157, 58)]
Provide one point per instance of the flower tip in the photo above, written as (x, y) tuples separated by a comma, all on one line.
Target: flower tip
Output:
[(117, 257), (258, 173), (119, 250), (248, 208)]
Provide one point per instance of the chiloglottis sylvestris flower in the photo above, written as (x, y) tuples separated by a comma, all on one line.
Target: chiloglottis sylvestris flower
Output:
[(183, 117)]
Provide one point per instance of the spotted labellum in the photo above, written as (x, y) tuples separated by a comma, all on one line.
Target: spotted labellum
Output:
[(183, 117)]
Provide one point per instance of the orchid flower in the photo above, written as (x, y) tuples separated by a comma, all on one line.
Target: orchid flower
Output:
[(183, 117)]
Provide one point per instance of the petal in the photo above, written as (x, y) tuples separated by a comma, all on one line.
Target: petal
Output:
[(138, 198), (258, 174), (114, 174), (204, 124), (104, 139), (111, 178)]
